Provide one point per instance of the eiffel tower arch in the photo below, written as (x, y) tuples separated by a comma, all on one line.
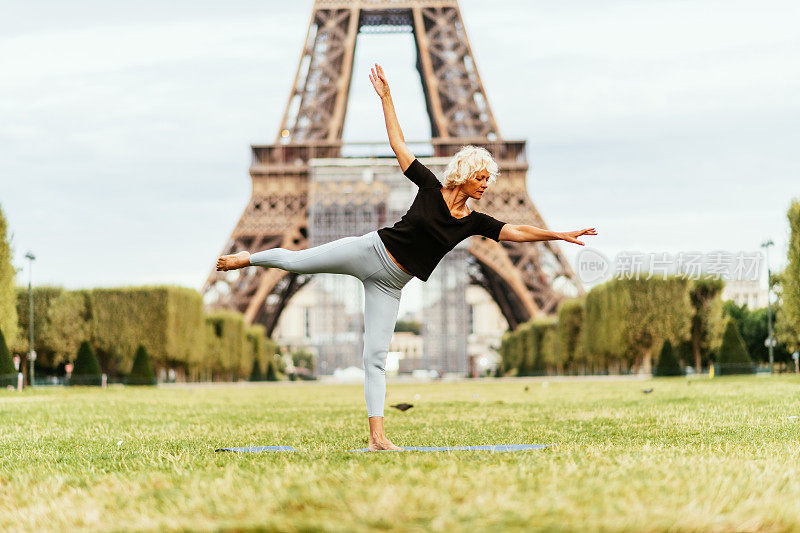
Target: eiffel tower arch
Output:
[(524, 279)]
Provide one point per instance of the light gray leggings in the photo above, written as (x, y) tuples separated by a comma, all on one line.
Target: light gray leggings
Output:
[(366, 258)]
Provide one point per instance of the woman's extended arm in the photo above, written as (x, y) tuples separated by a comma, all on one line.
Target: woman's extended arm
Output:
[(396, 140), (522, 233)]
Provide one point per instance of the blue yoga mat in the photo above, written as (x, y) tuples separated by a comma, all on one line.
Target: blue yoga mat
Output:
[(250, 449), (492, 448)]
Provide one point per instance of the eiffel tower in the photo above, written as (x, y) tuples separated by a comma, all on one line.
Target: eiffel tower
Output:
[(524, 279)]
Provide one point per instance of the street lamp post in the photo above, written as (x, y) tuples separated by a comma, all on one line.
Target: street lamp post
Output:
[(770, 341), (31, 351)]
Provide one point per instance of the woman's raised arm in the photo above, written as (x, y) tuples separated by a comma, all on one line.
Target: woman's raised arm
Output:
[(396, 139)]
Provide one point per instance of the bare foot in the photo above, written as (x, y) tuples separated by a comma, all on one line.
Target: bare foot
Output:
[(232, 262), (381, 443)]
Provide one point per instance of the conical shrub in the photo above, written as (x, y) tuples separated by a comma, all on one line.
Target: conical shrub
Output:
[(272, 374), (668, 364), (86, 369), (142, 372), (8, 374), (733, 357), (255, 374)]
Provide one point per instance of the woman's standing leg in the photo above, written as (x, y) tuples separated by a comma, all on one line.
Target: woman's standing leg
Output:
[(381, 304)]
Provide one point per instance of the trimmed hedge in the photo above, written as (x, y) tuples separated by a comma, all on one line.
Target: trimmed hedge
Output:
[(226, 344), (261, 364), (626, 319), (69, 323), (616, 327), (569, 332), (166, 320), (531, 349), (43, 298)]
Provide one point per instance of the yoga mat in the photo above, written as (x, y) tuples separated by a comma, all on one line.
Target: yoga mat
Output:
[(491, 448), (251, 449)]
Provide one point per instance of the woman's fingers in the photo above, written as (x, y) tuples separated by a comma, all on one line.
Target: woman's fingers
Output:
[(378, 79), (569, 238), (373, 75)]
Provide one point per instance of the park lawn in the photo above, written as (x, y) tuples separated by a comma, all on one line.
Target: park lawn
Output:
[(697, 454)]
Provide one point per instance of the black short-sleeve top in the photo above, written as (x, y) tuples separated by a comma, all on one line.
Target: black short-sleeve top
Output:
[(428, 231)]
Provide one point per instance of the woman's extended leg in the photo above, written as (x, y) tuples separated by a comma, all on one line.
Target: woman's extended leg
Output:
[(381, 304), (353, 256)]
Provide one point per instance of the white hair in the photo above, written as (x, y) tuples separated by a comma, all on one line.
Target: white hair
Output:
[(466, 162)]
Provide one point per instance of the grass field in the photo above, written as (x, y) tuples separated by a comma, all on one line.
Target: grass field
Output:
[(693, 455)]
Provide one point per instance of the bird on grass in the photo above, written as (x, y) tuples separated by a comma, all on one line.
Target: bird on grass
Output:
[(647, 391), (402, 406)]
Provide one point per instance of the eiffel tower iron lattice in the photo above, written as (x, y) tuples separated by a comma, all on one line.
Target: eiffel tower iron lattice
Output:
[(524, 279)]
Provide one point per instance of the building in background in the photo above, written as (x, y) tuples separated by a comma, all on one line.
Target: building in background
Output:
[(745, 291), (486, 325)]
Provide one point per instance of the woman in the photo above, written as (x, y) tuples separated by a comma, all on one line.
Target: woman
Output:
[(386, 259)]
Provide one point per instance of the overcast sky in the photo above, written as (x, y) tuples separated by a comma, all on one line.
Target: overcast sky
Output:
[(125, 127)]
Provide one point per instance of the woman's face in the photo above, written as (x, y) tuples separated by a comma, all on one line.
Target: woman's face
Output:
[(476, 184)]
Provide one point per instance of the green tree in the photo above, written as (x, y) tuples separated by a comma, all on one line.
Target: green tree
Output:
[(142, 371), (753, 326), (8, 296), (684, 353), (668, 364), (733, 357), (86, 369), (706, 320), (787, 324)]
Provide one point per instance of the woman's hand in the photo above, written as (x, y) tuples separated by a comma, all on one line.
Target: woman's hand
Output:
[(571, 236), (378, 79)]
